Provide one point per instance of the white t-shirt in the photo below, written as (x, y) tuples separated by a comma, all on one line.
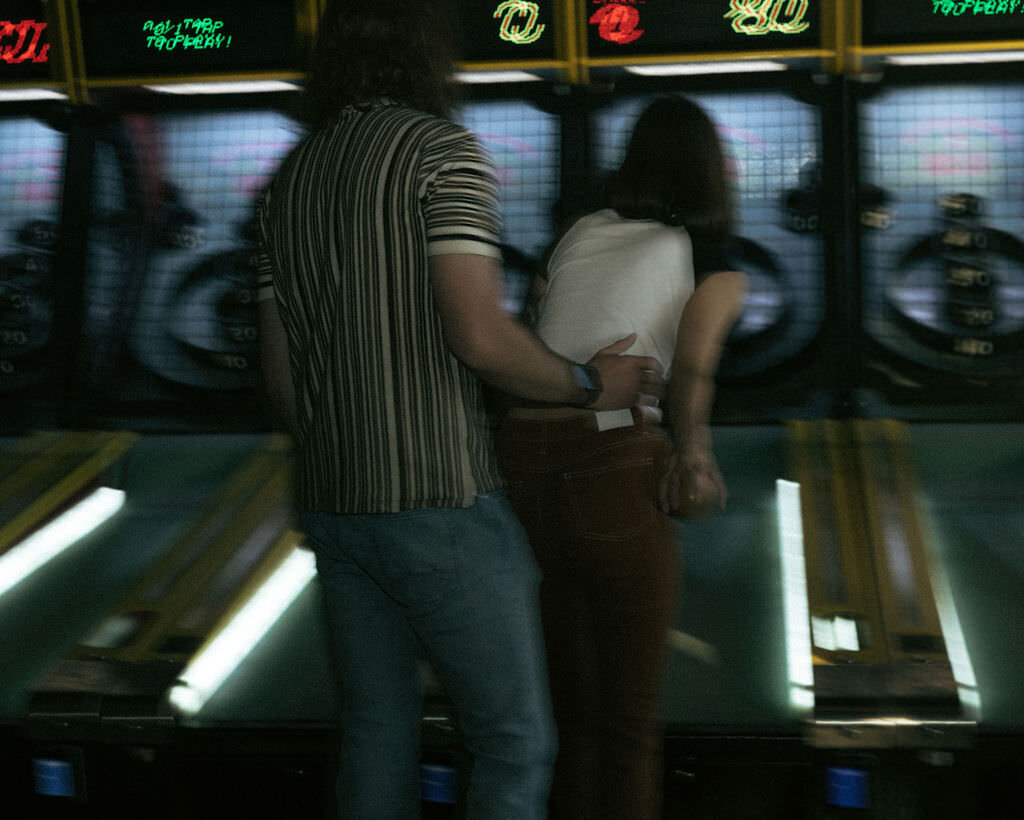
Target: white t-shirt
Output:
[(609, 277)]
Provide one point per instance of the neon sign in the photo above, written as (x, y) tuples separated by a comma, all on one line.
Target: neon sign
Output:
[(755, 17), (25, 49), (512, 31), (195, 33), (987, 7), (617, 20)]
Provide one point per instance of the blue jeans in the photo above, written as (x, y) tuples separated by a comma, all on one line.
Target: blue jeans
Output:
[(459, 586)]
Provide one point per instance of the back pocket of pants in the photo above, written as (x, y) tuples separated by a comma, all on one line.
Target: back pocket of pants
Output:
[(614, 502)]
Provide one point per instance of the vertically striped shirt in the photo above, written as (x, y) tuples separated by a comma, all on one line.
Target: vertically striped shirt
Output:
[(389, 419)]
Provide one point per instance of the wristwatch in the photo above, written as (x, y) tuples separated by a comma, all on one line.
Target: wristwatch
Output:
[(587, 379)]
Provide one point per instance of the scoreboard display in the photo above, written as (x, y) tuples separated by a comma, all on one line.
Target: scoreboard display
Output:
[(943, 243), (169, 314), (24, 41), (30, 203), (140, 37), (523, 142), (941, 21), (619, 28), (505, 30)]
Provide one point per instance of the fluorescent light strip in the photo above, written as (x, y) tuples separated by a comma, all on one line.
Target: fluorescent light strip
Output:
[(794, 590), (29, 94), (957, 58), (481, 77), (895, 721), (677, 69), (258, 87), (952, 631), (49, 541), (212, 666)]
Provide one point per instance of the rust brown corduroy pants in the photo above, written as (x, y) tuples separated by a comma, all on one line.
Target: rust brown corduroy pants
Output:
[(587, 500)]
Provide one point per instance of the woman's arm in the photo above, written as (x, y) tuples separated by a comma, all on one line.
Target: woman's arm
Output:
[(692, 478), (535, 300)]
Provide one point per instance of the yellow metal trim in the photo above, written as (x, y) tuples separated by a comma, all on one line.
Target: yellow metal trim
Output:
[(511, 65), (577, 24), (272, 559), (710, 57), (886, 441), (801, 452), (855, 20), (873, 514), (37, 453), (164, 79), (192, 584), (233, 494), (858, 564), (840, 26), (65, 489), (50, 84), (939, 48), (307, 18), (815, 461), (62, 71), (826, 467), (69, 42), (905, 477), (260, 485), (566, 41)]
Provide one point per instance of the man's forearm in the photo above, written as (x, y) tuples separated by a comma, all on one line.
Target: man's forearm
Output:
[(517, 362), (505, 353)]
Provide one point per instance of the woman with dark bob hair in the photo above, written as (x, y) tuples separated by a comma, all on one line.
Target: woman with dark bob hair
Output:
[(595, 489)]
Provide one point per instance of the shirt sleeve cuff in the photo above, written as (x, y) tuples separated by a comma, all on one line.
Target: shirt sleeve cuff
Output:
[(445, 246)]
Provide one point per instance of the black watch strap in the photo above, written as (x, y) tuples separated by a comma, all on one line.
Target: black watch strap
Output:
[(587, 379)]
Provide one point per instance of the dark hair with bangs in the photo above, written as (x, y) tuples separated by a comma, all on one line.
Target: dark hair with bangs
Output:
[(369, 49), (674, 170)]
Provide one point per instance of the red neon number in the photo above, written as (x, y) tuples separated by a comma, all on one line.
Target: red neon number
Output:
[(617, 22), (22, 30)]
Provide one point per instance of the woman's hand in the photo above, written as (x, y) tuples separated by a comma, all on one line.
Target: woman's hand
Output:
[(692, 485)]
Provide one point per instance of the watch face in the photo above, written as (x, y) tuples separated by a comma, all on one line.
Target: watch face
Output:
[(584, 377)]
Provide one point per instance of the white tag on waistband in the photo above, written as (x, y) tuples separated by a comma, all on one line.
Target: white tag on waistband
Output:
[(613, 419)]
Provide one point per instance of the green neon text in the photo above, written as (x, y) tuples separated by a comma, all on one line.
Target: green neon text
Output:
[(958, 8), (190, 33), (756, 17), (519, 21)]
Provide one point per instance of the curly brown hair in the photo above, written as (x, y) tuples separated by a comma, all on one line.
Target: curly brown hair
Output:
[(368, 49)]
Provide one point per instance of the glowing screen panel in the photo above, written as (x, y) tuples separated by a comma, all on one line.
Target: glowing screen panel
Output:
[(772, 146), (943, 226), (170, 316), (523, 143), (624, 27), (30, 202), (505, 30), (143, 37), (941, 21)]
